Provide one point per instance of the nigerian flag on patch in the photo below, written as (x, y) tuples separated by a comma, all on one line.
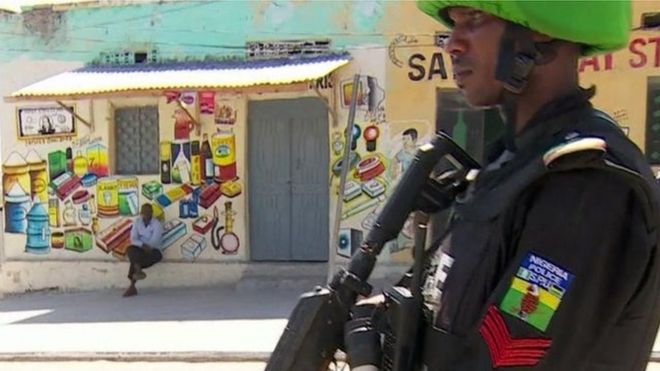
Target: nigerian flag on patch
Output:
[(536, 291)]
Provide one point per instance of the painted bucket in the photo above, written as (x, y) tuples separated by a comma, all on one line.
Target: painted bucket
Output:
[(38, 232), (107, 197), (17, 206)]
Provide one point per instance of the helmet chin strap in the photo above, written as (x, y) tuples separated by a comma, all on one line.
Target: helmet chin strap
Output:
[(517, 57)]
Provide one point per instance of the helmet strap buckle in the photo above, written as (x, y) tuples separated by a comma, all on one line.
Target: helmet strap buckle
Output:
[(516, 59), (519, 73)]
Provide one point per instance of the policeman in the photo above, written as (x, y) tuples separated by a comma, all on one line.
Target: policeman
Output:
[(550, 261)]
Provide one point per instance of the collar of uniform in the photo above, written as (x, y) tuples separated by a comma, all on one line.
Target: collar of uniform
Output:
[(548, 120)]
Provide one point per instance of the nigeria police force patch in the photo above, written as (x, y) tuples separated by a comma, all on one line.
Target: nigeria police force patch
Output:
[(536, 291)]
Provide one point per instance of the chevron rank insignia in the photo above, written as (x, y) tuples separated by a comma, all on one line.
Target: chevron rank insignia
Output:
[(505, 351), (536, 291)]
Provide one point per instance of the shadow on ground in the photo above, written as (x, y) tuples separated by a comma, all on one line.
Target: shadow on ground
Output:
[(161, 304)]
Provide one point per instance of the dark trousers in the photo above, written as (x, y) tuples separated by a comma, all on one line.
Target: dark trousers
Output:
[(140, 257)]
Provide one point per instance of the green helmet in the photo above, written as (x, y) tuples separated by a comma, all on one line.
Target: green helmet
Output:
[(600, 26)]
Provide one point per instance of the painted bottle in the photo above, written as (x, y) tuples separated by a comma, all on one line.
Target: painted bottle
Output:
[(69, 214), (92, 204), (165, 157), (207, 160), (195, 164), (84, 215), (53, 211), (69, 159), (95, 224), (80, 164)]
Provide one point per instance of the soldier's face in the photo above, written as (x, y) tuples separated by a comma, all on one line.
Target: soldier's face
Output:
[(474, 48)]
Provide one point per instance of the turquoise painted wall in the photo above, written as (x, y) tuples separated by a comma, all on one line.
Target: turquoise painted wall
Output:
[(187, 29)]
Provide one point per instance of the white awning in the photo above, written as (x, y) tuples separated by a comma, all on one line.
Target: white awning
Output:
[(99, 80)]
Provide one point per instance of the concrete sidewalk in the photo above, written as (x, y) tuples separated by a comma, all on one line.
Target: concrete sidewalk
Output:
[(182, 324)]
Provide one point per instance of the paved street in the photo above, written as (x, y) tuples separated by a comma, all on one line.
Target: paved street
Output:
[(202, 322), (187, 329)]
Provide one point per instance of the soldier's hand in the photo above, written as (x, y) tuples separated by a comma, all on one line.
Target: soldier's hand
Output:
[(361, 339)]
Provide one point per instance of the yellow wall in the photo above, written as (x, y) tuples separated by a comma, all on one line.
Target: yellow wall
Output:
[(621, 78)]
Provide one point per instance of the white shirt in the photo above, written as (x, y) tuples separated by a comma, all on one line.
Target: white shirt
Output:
[(151, 234)]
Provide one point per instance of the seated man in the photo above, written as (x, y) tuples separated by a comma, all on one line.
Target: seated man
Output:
[(144, 251)]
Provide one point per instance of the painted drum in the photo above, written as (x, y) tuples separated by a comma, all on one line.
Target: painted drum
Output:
[(17, 206), (38, 232)]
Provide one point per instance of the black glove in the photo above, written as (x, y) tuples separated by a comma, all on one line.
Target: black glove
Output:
[(361, 340)]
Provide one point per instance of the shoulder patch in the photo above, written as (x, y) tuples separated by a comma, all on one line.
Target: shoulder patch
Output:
[(536, 291), (573, 146)]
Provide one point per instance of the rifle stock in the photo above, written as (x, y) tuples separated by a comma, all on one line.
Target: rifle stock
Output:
[(315, 328)]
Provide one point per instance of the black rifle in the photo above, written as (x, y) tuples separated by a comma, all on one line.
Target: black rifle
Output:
[(315, 328)]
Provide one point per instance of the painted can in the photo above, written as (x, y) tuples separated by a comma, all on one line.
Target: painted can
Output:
[(38, 176), (166, 162), (97, 160), (223, 144), (107, 197), (38, 232), (181, 161), (57, 240), (17, 206), (128, 196), (16, 171)]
